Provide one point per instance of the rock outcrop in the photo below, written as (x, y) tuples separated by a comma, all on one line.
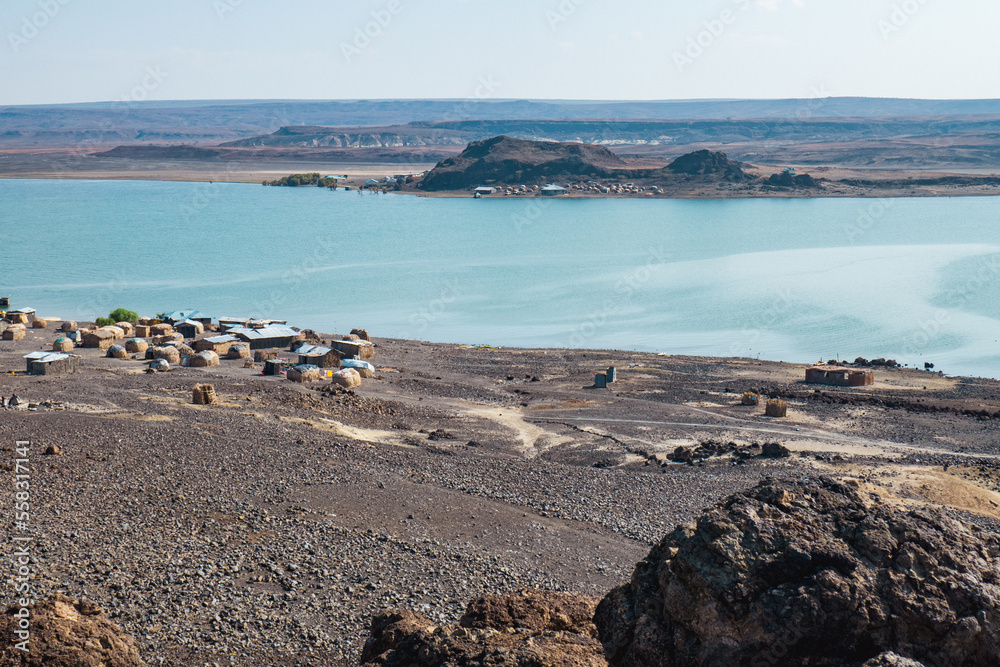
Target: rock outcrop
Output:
[(518, 161), (707, 163), (816, 573), (531, 628), (66, 632)]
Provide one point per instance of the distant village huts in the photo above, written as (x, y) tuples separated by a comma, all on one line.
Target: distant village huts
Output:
[(52, 363), (275, 366), (179, 316), (239, 351), (160, 329), (553, 191), (218, 344), (118, 352), (840, 376), (189, 328), (15, 332), (20, 315), (63, 344), (168, 353), (364, 369), (361, 349), (266, 337), (205, 359), (317, 355), (304, 373), (348, 378), (101, 339)]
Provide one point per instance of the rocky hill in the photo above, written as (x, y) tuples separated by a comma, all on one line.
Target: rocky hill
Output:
[(504, 159), (705, 163)]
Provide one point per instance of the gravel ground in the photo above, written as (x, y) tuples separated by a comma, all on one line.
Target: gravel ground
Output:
[(269, 528)]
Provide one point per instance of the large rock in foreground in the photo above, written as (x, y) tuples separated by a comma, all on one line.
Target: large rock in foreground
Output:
[(528, 629), (66, 632), (810, 573)]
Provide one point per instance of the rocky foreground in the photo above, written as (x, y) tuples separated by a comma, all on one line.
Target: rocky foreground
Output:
[(270, 528)]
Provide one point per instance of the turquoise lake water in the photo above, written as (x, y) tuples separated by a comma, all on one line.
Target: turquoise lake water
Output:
[(795, 280)]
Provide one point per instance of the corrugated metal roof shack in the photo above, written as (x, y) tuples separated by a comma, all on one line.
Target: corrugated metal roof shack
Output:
[(317, 355), (52, 363), (265, 338)]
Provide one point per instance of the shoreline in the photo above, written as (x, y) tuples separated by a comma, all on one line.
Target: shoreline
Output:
[(255, 178)]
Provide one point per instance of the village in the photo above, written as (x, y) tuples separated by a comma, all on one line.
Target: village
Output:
[(189, 338)]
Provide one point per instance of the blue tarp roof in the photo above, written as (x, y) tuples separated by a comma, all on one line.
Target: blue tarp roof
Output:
[(178, 315)]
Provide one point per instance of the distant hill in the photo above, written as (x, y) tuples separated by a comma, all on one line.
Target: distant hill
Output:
[(507, 160), (161, 152), (225, 120)]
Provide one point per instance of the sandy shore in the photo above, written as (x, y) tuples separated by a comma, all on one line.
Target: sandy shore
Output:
[(271, 526)]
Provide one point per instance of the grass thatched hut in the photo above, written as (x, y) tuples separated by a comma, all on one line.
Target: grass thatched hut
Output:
[(15, 332), (349, 349), (99, 338), (40, 323), (63, 344), (161, 329), (347, 378), (261, 356), (143, 331), (168, 338), (136, 345), (205, 359), (168, 353), (118, 332), (204, 394), (118, 352), (776, 408), (316, 355), (127, 327), (275, 366), (304, 373), (69, 325), (239, 351), (362, 334), (184, 349)]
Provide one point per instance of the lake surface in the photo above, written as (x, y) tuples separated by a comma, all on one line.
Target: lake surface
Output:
[(795, 280)]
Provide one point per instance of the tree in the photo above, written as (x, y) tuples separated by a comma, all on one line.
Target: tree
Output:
[(123, 315)]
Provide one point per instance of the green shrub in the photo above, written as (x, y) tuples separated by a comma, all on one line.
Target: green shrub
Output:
[(124, 315), (105, 321)]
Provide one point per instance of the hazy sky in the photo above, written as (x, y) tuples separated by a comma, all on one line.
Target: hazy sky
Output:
[(97, 50)]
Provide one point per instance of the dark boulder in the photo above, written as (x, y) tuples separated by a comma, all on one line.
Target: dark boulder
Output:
[(816, 573)]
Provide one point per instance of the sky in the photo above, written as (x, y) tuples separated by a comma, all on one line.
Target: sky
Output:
[(60, 51)]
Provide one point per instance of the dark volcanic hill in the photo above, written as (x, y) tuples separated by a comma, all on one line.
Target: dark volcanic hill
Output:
[(707, 163), (504, 159)]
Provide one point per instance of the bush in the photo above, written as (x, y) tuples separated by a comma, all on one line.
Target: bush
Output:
[(105, 321), (123, 315)]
